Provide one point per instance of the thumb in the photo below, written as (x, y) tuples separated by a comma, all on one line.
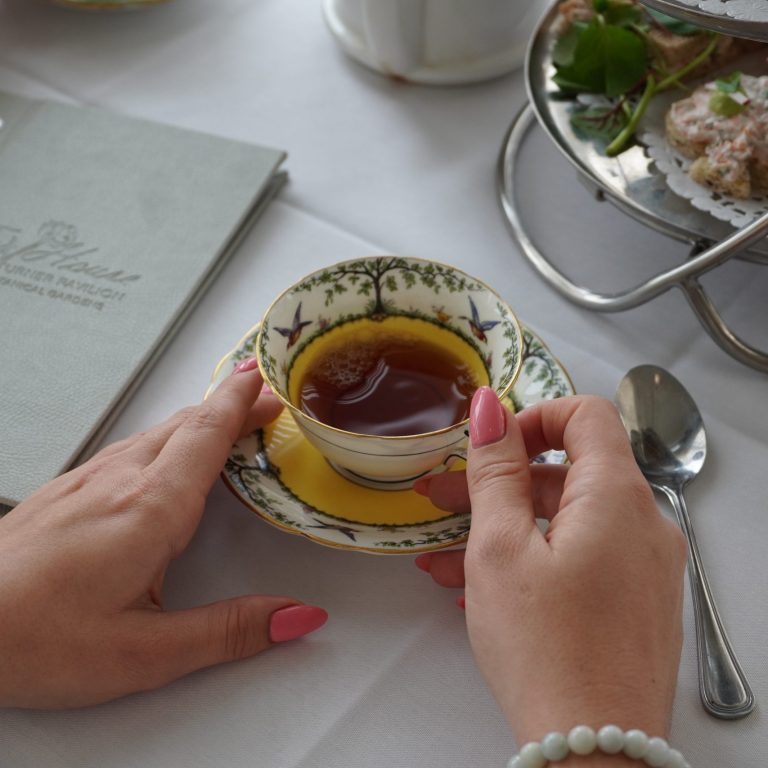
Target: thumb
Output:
[(232, 629), (498, 473)]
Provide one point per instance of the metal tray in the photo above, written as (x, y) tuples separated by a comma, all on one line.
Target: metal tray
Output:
[(633, 185), (630, 180), (738, 18)]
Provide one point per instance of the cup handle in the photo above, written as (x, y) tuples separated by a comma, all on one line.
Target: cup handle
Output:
[(394, 31), (451, 458)]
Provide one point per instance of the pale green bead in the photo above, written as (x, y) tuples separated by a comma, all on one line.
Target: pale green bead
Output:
[(610, 739), (675, 760), (658, 752), (554, 746), (531, 756), (582, 740), (635, 744), (514, 762)]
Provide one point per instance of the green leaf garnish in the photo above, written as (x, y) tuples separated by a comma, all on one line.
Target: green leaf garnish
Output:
[(729, 84), (676, 26), (722, 104), (604, 122), (601, 58), (612, 56), (722, 101)]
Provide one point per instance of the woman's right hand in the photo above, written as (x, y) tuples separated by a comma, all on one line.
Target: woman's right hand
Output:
[(83, 561), (582, 623)]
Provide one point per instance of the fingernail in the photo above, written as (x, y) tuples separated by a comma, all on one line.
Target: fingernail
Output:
[(423, 561), (461, 602), (266, 389), (295, 621), (247, 365), (487, 418), (422, 485)]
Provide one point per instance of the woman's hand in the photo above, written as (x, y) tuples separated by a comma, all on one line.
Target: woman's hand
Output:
[(581, 624), (82, 563)]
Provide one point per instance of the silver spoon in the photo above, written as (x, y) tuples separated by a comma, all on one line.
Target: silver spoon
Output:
[(669, 442)]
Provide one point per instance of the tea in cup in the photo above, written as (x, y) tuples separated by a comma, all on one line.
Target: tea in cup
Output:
[(377, 360)]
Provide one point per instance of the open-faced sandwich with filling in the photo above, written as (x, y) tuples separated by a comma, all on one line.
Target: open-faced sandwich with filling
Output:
[(723, 127)]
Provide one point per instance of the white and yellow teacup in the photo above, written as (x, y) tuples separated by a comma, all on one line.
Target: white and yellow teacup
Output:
[(442, 304)]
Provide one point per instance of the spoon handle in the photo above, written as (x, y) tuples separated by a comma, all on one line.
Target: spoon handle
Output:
[(724, 690)]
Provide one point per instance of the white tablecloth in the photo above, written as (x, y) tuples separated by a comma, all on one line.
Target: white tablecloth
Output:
[(378, 166)]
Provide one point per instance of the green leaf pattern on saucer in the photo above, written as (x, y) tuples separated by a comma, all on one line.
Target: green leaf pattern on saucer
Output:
[(256, 481)]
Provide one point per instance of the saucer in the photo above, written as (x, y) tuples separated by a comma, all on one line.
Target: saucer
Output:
[(278, 475)]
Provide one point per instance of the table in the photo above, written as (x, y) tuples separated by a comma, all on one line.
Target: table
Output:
[(381, 167)]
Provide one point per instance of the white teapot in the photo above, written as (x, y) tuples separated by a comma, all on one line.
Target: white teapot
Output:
[(437, 42)]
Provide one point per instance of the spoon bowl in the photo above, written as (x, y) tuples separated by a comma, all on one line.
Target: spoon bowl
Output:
[(669, 442), (664, 425)]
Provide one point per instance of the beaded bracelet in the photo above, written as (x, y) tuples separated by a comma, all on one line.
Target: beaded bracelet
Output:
[(610, 739)]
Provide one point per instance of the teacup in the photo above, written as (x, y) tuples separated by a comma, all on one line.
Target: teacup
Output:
[(442, 304), (435, 41)]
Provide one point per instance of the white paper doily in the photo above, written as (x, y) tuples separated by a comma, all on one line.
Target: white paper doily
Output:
[(744, 10), (675, 167)]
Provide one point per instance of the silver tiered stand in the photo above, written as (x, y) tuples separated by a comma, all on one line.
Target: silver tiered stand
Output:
[(632, 184)]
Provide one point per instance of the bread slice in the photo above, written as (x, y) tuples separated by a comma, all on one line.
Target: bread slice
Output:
[(735, 182), (673, 52), (681, 140)]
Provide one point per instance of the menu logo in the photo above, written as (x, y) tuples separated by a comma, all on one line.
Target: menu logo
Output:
[(57, 247), (55, 264)]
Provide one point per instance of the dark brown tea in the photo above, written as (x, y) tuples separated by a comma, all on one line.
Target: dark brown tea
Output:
[(376, 379)]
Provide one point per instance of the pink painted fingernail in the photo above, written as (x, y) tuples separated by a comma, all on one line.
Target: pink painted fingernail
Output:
[(422, 485), (295, 621), (423, 561), (487, 418), (461, 602), (247, 365)]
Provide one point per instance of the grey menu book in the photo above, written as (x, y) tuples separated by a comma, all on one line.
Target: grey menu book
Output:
[(110, 229)]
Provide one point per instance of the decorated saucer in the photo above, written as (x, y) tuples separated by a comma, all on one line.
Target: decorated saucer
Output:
[(278, 475)]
